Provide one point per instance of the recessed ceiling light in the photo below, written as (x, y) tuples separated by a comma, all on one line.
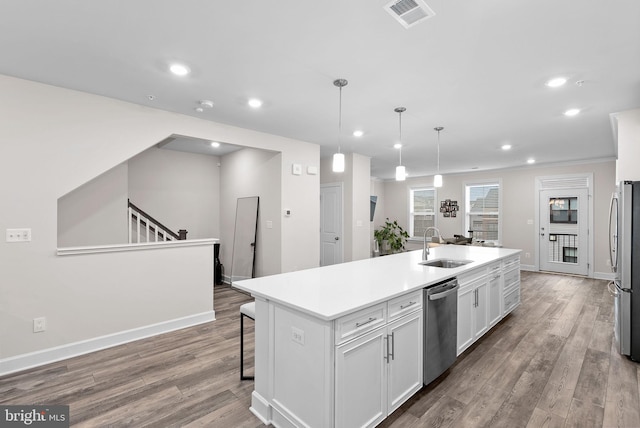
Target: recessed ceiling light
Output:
[(255, 103), (206, 103), (556, 82), (358, 133), (531, 160), (179, 69), (397, 146), (572, 112), (199, 109), (506, 147), (215, 144)]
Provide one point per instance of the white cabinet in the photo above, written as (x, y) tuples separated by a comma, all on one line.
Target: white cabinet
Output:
[(495, 294), (406, 363), (511, 288), (361, 380), (473, 315), (380, 369)]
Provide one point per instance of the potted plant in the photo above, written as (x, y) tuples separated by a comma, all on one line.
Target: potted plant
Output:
[(391, 237)]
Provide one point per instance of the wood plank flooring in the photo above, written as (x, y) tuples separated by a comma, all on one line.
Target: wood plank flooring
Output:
[(551, 363)]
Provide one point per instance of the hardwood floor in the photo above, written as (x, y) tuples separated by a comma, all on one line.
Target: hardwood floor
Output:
[(551, 363)]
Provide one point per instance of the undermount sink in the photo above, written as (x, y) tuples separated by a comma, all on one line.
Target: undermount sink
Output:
[(445, 263)]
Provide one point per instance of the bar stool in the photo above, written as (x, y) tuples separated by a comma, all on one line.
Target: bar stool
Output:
[(247, 310)]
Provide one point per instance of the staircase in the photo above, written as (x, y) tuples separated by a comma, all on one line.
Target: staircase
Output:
[(144, 228)]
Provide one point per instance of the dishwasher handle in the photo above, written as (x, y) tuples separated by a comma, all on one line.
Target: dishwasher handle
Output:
[(444, 293)]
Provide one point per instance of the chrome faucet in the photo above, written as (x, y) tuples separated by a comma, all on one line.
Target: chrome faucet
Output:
[(425, 247)]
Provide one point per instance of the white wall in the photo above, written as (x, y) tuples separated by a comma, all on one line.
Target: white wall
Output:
[(96, 212), (180, 190), (69, 138), (245, 173), (627, 168), (518, 198)]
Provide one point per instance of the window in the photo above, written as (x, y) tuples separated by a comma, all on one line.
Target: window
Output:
[(421, 210), (563, 210), (482, 209)]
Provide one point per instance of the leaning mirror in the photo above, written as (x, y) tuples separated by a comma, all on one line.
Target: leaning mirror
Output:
[(244, 239)]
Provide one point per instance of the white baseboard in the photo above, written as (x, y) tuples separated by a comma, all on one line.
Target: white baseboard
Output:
[(596, 275), (609, 276), (58, 353)]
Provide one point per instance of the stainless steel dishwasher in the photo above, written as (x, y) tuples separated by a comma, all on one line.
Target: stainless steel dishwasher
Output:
[(440, 327)]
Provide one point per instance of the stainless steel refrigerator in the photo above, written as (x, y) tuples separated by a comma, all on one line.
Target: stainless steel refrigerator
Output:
[(624, 246)]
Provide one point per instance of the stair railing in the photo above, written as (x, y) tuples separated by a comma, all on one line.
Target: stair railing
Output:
[(145, 228)]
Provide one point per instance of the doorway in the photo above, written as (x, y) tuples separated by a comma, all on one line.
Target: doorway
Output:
[(564, 220), (331, 247)]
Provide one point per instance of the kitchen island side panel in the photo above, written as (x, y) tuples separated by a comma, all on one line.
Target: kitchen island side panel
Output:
[(302, 368)]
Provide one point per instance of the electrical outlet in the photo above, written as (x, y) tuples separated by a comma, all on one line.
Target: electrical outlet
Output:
[(39, 324), (527, 255), (297, 335)]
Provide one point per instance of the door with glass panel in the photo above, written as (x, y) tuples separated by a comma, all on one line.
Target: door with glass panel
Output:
[(564, 234)]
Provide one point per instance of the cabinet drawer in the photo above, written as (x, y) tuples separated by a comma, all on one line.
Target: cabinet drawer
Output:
[(511, 262), (511, 300), (404, 305), (469, 277), (511, 277), (358, 323)]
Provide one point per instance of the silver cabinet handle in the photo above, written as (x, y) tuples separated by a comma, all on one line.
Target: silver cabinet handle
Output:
[(406, 306), (360, 324), (337, 238), (393, 345)]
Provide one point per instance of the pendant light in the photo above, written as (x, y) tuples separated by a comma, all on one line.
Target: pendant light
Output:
[(401, 172), (338, 158), (437, 179)]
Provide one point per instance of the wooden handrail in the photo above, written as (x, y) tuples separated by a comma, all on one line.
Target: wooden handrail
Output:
[(181, 235)]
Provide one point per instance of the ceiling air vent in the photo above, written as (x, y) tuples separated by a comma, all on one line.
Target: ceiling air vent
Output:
[(409, 12)]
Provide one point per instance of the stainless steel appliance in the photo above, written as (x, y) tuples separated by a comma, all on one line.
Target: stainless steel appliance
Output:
[(441, 328), (624, 247)]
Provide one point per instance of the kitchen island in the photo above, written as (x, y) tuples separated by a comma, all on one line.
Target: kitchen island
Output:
[(341, 345)]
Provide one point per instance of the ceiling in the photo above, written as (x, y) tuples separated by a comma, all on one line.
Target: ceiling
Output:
[(477, 68)]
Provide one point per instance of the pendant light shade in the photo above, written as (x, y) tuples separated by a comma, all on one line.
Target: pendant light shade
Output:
[(401, 171), (338, 162), (338, 158), (437, 179)]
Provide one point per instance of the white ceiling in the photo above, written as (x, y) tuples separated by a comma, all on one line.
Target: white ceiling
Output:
[(477, 68)]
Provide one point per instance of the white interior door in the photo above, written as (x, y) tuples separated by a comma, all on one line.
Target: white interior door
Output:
[(564, 231), (330, 224)]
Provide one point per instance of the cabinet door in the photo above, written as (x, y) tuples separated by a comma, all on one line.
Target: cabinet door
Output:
[(466, 307), (481, 314), (405, 359), (495, 298), (361, 380)]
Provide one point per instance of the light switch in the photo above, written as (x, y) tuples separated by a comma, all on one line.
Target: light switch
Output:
[(269, 224), (312, 170), (296, 169), (18, 235)]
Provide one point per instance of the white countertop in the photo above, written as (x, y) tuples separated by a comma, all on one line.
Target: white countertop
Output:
[(332, 291)]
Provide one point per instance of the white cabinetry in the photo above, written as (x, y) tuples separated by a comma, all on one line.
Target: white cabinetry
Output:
[(478, 300), (378, 370), (511, 280), (495, 294)]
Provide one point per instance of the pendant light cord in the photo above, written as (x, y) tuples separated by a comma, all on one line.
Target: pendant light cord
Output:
[(400, 133), (340, 119), (438, 162)]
